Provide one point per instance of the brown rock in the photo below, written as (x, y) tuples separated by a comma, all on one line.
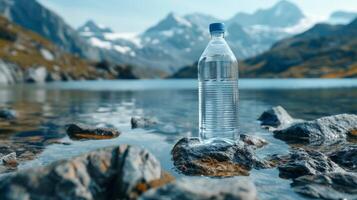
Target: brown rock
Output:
[(80, 131)]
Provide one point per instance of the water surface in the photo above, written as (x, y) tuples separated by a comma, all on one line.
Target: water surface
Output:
[(44, 110)]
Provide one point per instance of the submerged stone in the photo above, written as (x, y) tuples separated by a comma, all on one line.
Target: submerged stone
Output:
[(323, 130), (80, 131), (253, 141), (109, 173), (204, 188), (191, 157), (306, 162), (143, 122), (338, 185)]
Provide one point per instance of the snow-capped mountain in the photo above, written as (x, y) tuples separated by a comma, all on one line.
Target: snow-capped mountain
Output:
[(176, 41), (342, 17)]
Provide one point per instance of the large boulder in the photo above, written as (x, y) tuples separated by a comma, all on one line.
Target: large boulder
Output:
[(275, 117), (109, 173), (346, 157), (306, 162), (10, 73), (323, 130), (36, 75), (204, 188), (336, 185), (81, 131), (193, 157)]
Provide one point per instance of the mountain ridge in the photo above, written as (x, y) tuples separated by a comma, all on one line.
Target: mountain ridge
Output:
[(175, 40)]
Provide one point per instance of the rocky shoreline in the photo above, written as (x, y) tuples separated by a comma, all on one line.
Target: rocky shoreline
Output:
[(317, 168)]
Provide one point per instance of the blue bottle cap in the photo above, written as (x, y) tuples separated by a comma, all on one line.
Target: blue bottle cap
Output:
[(216, 27)]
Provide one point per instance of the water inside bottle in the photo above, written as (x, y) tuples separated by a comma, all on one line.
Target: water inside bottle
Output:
[(218, 99)]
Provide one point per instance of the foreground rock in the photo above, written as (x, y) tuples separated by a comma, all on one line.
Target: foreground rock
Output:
[(192, 157), (110, 173), (275, 117), (300, 162), (253, 141), (7, 114), (337, 185), (143, 122), (204, 188), (323, 130), (346, 157), (9, 159), (80, 131)]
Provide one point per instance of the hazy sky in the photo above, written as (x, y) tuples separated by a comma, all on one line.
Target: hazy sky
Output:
[(137, 15)]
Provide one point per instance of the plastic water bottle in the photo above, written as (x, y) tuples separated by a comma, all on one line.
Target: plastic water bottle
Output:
[(218, 89)]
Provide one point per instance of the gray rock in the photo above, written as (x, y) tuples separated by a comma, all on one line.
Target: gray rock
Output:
[(327, 186), (192, 157), (253, 141), (109, 173), (7, 114), (300, 162), (81, 131), (323, 130), (36, 75), (346, 157), (275, 117), (204, 188), (143, 122), (53, 76), (9, 159)]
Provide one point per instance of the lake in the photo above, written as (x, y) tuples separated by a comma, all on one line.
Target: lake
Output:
[(44, 110)]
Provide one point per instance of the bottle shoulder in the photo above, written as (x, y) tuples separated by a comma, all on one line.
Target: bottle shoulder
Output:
[(218, 49)]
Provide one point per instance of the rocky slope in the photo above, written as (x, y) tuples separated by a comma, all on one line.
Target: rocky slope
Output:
[(176, 41), (27, 57), (33, 16), (326, 51)]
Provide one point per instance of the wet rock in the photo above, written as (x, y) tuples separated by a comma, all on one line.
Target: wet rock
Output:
[(204, 188), (9, 159), (192, 157), (109, 173), (337, 185), (306, 162), (252, 140), (80, 131), (7, 114), (346, 157), (275, 117), (323, 130), (143, 122)]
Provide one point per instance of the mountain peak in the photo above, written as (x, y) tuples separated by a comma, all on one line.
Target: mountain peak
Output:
[(91, 26), (172, 20), (283, 14), (342, 17)]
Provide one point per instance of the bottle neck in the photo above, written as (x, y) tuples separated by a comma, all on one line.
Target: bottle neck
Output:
[(217, 35)]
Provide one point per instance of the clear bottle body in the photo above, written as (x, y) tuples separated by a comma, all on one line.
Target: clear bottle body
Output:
[(218, 92)]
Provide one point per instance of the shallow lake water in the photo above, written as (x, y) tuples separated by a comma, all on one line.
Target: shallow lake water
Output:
[(44, 110)]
